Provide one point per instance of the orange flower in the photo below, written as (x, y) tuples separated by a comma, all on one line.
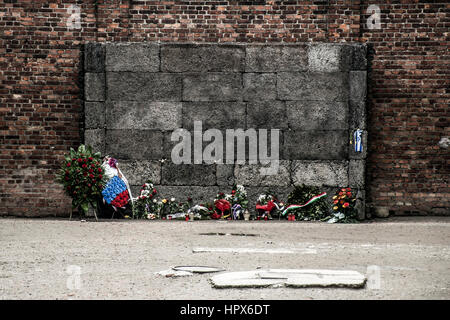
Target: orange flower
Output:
[(345, 205)]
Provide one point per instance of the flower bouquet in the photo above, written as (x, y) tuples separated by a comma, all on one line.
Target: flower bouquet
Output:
[(83, 178), (268, 206), (116, 192), (145, 205), (343, 207), (306, 203)]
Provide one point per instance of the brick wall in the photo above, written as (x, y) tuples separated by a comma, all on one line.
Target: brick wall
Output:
[(41, 88)]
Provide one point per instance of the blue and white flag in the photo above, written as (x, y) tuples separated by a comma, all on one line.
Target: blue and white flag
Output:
[(357, 135)]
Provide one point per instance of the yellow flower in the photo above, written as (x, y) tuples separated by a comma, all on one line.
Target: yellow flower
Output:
[(335, 197), (335, 208), (164, 200), (127, 217)]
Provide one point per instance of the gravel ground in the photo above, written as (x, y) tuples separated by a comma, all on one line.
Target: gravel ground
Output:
[(118, 259)]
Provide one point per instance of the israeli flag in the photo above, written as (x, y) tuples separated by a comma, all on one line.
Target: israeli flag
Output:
[(357, 135)]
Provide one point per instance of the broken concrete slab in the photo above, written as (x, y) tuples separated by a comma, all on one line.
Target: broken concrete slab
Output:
[(297, 278), (174, 273), (198, 269), (257, 250)]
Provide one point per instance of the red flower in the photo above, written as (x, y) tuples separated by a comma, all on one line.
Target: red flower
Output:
[(90, 158), (68, 164), (84, 166), (67, 178), (85, 173), (345, 205), (91, 176), (233, 192), (100, 170), (349, 194), (154, 190), (90, 170), (79, 160), (100, 176)]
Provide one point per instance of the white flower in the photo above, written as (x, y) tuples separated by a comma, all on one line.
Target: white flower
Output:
[(228, 197), (154, 201), (172, 199)]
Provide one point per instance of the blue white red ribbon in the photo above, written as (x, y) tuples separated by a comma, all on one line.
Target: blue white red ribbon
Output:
[(357, 136)]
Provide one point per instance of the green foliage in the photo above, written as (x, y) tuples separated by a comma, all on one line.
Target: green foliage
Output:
[(314, 211), (82, 177)]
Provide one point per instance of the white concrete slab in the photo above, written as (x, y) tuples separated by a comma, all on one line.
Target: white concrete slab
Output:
[(297, 278)]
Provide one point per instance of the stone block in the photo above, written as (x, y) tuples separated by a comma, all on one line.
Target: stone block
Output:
[(94, 57), (225, 174), (270, 114), (202, 58), (188, 174), (358, 85), (360, 205), (216, 115), (357, 115), (312, 145), (96, 139), (329, 57), (135, 57), (312, 86), (276, 58), (212, 87), (317, 115), (94, 115), (351, 147), (143, 115), (138, 172), (356, 173), (320, 173), (94, 86), (359, 60), (250, 175), (134, 144), (139, 86), (260, 86)]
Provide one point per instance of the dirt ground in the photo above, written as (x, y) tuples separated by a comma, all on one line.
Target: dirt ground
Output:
[(117, 259)]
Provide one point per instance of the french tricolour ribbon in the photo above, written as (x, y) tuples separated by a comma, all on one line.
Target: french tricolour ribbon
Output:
[(296, 206), (358, 140)]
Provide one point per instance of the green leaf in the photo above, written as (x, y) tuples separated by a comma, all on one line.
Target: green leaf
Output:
[(85, 206)]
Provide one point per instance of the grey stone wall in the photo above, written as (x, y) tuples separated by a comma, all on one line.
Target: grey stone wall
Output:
[(136, 94)]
